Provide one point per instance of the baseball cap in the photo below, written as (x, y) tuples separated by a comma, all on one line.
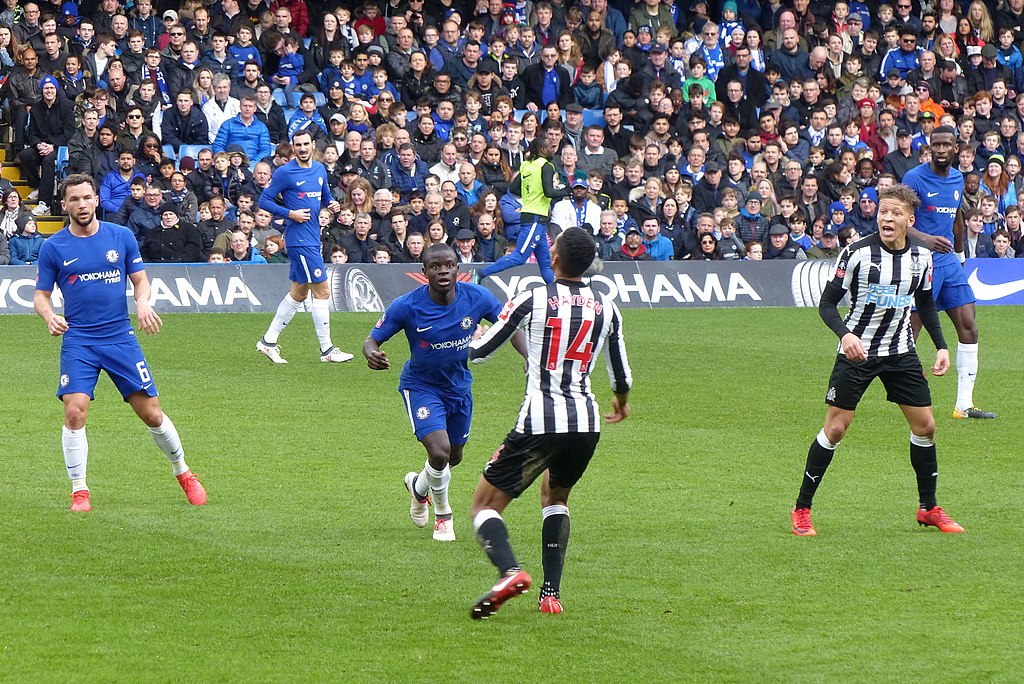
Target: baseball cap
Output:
[(870, 194), (579, 183), (865, 102), (170, 14), (772, 105), (375, 48), (347, 168), (989, 51), (487, 66), (712, 166), (892, 72), (927, 115), (465, 234), (855, 17), (902, 131), (633, 229), (973, 50), (778, 229), (643, 28), (830, 231), (338, 116), (658, 49)]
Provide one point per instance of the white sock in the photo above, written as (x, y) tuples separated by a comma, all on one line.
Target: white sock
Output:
[(76, 456), (166, 437), (438, 481), (322, 322), (286, 310), (823, 441), (966, 371)]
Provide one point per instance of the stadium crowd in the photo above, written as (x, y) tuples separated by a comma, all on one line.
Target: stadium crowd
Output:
[(683, 130)]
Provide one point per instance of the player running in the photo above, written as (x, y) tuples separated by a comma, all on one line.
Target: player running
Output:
[(439, 319), (537, 183), (940, 187), (885, 274), (90, 261), (303, 188), (559, 423)]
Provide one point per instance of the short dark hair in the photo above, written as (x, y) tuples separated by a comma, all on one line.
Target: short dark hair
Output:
[(575, 249), (77, 179)]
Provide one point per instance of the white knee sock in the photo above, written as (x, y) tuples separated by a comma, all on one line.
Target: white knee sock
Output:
[(166, 437), (966, 370), (438, 481), (322, 322), (286, 310), (76, 456)]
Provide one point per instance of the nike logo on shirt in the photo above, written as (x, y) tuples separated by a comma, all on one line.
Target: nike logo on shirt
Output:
[(297, 183), (419, 329), (68, 263), (932, 194)]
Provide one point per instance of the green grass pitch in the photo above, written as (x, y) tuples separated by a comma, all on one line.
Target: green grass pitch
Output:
[(681, 567)]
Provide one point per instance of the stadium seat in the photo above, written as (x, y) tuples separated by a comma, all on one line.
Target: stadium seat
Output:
[(169, 152), (520, 113), (307, 41), (593, 117), (280, 99), (62, 162)]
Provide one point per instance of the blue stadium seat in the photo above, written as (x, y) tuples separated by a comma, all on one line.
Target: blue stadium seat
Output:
[(593, 117), (307, 41), (519, 113), (280, 99), (190, 151), (62, 162), (169, 152)]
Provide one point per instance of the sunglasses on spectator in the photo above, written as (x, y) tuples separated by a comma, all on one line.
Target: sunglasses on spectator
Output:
[(134, 116)]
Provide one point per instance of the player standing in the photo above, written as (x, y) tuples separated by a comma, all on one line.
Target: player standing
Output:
[(304, 189), (559, 423), (885, 274), (537, 184), (91, 261), (940, 187), (439, 319)]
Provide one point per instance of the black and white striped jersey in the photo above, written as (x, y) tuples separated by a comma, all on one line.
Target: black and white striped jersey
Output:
[(566, 325), (882, 285)]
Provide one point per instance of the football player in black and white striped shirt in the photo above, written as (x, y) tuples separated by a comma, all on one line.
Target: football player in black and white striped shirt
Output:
[(885, 275), (566, 324)]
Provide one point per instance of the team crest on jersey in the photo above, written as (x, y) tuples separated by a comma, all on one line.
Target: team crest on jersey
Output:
[(112, 256), (466, 323), (915, 265), (831, 396), (422, 413), (65, 380), (956, 195)]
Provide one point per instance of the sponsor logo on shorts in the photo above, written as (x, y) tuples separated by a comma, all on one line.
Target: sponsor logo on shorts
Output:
[(65, 380), (112, 256), (422, 413)]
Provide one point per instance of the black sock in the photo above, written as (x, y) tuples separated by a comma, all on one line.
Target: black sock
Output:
[(926, 466), (493, 537), (818, 459), (554, 539)]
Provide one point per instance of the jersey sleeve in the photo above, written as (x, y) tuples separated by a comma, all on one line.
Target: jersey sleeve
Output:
[(513, 315), (326, 195), (491, 306), (268, 198), (845, 269), (620, 375), (46, 268), (390, 322), (926, 279), (132, 255)]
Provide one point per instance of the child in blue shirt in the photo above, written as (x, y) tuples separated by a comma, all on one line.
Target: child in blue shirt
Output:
[(243, 50), (290, 68)]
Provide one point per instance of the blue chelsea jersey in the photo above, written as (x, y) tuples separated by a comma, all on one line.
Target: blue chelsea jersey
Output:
[(298, 188), (439, 335), (940, 201), (92, 274)]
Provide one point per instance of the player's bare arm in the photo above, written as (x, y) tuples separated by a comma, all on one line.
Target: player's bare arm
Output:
[(147, 318), (935, 243), (375, 358), (44, 307), (620, 408)]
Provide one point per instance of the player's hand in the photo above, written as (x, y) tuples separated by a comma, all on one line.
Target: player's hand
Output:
[(853, 348), (57, 325), (937, 243), (299, 215), (378, 360), (148, 319), (620, 411), (334, 207), (941, 363), (479, 332)]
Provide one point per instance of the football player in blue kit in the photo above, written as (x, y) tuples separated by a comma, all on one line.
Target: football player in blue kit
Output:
[(941, 187), (304, 189), (91, 262), (439, 319)]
